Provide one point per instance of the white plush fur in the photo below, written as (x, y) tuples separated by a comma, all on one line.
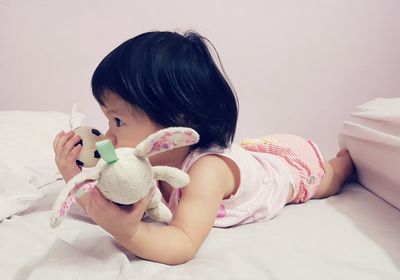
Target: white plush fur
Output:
[(131, 177)]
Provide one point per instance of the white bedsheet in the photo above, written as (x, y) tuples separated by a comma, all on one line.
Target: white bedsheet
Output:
[(354, 235)]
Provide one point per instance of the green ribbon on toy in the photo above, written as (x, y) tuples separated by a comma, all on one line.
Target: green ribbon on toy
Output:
[(107, 151)]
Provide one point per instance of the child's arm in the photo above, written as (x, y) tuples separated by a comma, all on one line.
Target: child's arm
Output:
[(211, 181)]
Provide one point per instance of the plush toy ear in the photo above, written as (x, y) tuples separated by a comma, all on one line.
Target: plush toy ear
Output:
[(68, 195), (166, 139)]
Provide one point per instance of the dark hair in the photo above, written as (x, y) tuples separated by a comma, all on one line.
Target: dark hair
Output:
[(174, 80)]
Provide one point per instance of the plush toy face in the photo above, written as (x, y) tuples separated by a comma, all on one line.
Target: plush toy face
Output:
[(89, 156), (128, 170)]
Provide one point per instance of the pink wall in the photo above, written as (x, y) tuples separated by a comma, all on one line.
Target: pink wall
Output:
[(297, 66)]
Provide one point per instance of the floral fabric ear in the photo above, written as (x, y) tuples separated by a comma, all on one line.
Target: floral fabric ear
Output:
[(75, 188), (64, 205), (167, 139)]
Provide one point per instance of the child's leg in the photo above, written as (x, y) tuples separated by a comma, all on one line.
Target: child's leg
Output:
[(337, 170)]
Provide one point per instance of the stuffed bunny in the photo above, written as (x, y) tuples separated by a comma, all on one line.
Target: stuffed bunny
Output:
[(124, 175)]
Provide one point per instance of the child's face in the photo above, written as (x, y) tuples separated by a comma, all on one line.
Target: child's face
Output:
[(127, 126)]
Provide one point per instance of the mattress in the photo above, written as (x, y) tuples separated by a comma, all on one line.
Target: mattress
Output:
[(353, 235)]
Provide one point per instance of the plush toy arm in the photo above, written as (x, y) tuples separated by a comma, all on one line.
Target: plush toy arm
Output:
[(173, 176), (161, 213), (157, 210)]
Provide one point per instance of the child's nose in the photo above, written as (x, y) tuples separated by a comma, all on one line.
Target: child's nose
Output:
[(111, 137)]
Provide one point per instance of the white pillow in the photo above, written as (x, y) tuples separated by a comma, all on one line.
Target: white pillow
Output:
[(26, 143), (372, 135), (27, 157)]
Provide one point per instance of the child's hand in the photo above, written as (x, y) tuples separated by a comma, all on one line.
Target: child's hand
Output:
[(120, 221), (66, 152)]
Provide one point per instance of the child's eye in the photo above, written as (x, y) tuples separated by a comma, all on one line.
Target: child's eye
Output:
[(118, 122)]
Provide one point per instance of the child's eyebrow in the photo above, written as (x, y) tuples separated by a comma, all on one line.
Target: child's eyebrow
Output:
[(117, 112), (114, 111)]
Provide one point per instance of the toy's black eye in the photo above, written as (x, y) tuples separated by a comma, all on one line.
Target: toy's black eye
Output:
[(118, 122), (96, 132), (96, 154)]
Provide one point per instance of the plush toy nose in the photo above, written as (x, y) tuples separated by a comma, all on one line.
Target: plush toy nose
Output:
[(107, 151)]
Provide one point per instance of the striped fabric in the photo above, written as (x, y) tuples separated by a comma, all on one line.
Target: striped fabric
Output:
[(268, 168), (305, 161)]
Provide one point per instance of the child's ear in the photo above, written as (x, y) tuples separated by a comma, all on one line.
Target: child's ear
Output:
[(166, 139)]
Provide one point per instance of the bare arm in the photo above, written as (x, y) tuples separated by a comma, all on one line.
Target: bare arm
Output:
[(211, 181)]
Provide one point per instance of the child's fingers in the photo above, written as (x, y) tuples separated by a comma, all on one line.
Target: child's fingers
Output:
[(136, 210), (69, 145), (57, 138), (73, 155), (101, 203), (62, 140), (141, 205), (97, 206)]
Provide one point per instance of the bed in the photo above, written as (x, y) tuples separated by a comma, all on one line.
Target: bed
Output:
[(353, 235)]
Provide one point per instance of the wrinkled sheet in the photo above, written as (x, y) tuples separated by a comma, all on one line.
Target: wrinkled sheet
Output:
[(354, 235)]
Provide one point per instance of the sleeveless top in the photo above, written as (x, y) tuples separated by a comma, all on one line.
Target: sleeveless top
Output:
[(263, 189)]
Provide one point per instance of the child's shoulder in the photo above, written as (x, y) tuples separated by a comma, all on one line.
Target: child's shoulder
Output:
[(223, 162), (215, 170)]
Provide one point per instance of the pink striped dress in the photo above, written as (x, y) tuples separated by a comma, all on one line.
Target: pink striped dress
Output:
[(267, 170)]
